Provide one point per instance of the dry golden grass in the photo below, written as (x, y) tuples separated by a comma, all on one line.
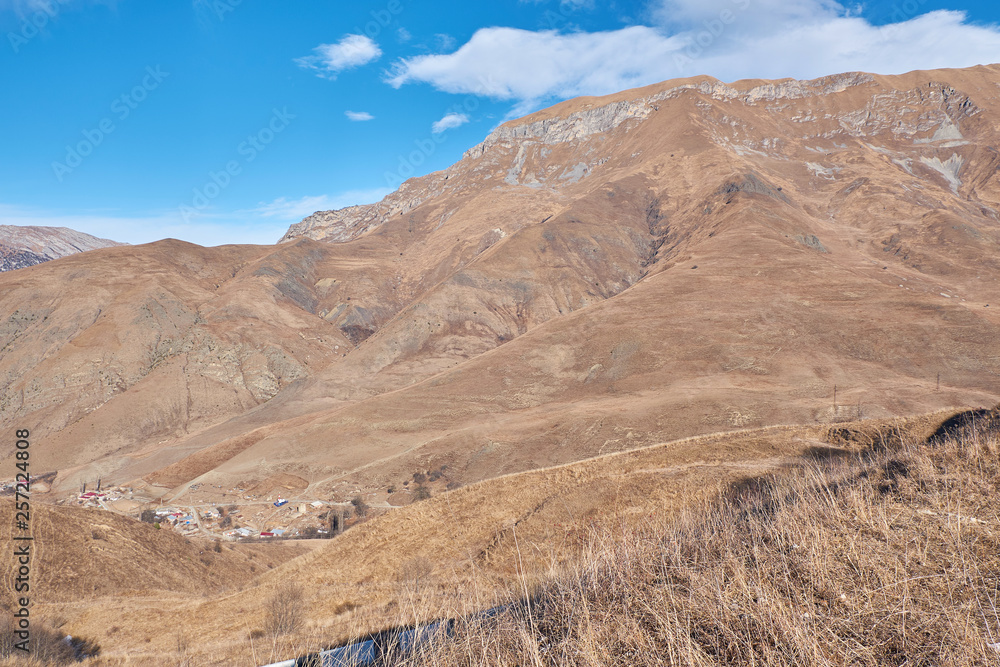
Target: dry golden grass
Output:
[(890, 558)]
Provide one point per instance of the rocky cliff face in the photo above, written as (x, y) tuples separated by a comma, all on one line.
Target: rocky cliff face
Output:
[(909, 125), (21, 247), (351, 222)]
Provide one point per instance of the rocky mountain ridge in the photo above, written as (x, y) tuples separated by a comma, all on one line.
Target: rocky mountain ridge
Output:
[(23, 246), (561, 125)]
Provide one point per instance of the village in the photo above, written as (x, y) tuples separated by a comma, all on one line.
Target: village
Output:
[(243, 516), (278, 508)]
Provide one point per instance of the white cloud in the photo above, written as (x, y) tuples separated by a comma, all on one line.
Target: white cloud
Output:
[(351, 51), (403, 35), (22, 6), (26, 6), (513, 64), (444, 42), (728, 39), (449, 122), (760, 16), (40, 12), (359, 115)]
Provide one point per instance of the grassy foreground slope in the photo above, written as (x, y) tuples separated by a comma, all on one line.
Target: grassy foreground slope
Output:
[(888, 558), (860, 543)]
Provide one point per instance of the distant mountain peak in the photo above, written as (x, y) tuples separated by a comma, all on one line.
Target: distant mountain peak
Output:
[(24, 246)]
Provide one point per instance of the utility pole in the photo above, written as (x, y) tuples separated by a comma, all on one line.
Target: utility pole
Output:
[(834, 399), (939, 382)]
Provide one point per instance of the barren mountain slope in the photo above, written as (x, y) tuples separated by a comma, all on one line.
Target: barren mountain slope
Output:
[(27, 246), (870, 273), (538, 301), (107, 351)]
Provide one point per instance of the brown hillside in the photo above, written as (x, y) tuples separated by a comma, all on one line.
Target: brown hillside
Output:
[(609, 273)]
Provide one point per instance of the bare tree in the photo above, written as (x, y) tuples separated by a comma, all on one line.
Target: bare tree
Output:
[(414, 572), (284, 611), (360, 506)]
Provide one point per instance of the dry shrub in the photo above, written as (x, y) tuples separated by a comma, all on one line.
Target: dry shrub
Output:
[(891, 558), (415, 572), (360, 506), (284, 611), (47, 646)]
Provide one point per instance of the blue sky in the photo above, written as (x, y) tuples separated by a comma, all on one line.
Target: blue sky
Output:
[(223, 121)]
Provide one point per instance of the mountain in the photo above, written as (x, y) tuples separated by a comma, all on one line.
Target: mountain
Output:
[(682, 259), (26, 246)]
